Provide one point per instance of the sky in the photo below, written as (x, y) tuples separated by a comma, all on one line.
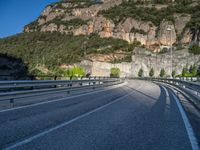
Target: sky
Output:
[(15, 14)]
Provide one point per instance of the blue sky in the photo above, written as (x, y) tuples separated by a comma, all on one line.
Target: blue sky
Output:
[(15, 14)]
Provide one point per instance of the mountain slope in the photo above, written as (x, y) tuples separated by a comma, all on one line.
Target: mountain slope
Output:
[(127, 20)]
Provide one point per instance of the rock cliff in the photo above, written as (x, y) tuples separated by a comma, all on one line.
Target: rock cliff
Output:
[(84, 18)]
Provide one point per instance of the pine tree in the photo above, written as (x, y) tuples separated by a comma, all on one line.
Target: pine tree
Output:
[(151, 72), (173, 73), (162, 72), (194, 70), (184, 71)]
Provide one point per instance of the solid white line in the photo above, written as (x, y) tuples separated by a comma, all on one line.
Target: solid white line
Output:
[(187, 124), (61, 99), (167, 96), (28, 140)]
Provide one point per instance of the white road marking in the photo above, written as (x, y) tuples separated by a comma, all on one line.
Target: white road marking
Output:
[(61, 99), (28, 140), (187, 124), (167, 107)]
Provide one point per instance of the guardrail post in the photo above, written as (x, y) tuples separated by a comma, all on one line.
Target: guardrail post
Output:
[(32, 77), (81, 83), (94, 82), (89, 80), (55, 77), (11, 103), (99, 81)]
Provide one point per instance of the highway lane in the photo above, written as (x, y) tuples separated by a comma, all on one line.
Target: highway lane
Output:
[(136, 116)]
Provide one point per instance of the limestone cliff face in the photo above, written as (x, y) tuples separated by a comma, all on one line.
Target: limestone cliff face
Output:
[(57, 17), (167, 33), (145, 60)]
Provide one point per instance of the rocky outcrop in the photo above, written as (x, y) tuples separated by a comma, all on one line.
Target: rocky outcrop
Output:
[(180, 22), (49, 28), (129, 29), (167, 33), (186, 37)]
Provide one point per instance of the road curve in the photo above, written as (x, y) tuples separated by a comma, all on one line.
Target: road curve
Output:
[(140, 115)]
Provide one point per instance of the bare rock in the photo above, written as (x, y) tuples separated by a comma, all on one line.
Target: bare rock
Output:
[(165, 36), (180, 22), (41, 21), (187, 38), (47, 11), (49, 28)]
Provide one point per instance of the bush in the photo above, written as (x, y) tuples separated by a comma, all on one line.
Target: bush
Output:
[(162, 73), (185, 72), (195, 49), (173, 73), (140, 72), (151, 72), (115, 72), (193, 70), (77, 72)]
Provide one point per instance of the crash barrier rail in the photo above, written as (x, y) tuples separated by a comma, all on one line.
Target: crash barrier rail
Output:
[(13, 90), (194, 86), (38, 77), (189, 87), (194, 79)]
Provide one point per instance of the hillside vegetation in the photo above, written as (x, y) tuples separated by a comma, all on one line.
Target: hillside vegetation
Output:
[(136, 10), (53, 49)]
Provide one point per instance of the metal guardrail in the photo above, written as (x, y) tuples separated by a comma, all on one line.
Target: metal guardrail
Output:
[(191, 88), (194, 86), (14, 90)]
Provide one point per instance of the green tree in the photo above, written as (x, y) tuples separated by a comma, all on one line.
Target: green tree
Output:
[(140, 72), (115, 72), (173, 73), (151, 72), (76, 71), (194, 70), (195, 49), (198, 71), (162, 72), (184, 71)]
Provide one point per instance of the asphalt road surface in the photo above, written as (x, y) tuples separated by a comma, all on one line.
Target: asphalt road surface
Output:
[(138, 116)]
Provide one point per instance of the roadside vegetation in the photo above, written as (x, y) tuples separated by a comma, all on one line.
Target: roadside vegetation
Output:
[(115, 72), (140, 73), (195, 49)]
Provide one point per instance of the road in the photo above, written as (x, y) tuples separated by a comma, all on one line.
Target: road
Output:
[(138, 116)]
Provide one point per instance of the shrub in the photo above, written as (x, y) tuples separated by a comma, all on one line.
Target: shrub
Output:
[(115, 72), (140, 72), (185, 72), (77, 72), (151, 72), (162, 73), (173, 73), (194, 70), (195, 49)]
